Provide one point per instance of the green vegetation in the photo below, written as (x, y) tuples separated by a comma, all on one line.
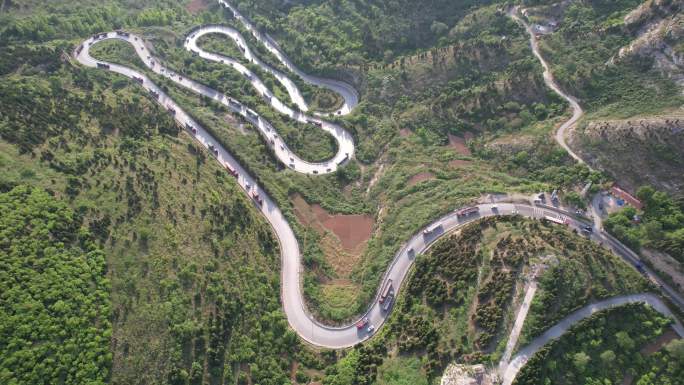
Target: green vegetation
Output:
[(54, 301), (604, 349), (194, 270), (660, 225), (458, 300), (317, 98), (590, 35), (307, 140)]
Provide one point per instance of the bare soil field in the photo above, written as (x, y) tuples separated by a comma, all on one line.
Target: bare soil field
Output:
[(420, 177), (344, 237), (196, 6), (458, 143), (459, 162), (658, 344)]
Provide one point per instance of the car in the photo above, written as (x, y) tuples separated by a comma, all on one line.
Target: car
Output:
[(362, 323), (587, 229), (495, 208), (371, 329)]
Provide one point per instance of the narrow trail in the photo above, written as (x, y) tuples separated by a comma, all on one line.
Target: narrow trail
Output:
[(306, 326), (524, 354), (530, 290), (577, 111)]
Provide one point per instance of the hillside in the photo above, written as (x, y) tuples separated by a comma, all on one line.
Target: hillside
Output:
[(460, 301), (193, 269), (655, 144), (629, 83), (55, 304), (168, 270)]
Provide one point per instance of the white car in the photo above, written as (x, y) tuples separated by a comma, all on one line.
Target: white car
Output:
[(371, 329)]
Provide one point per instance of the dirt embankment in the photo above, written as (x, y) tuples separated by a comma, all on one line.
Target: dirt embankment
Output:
[(659, 343), (635, 152), (343, 237), (196, 6), (658, 29), (458, 143), (421, 176)]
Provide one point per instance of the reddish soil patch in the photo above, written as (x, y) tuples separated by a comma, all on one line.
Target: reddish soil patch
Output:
[(459, 143), (420, 177), (459, 163), (343, 237), (195, 6), (404, 132), (658, 344), (353, 230)]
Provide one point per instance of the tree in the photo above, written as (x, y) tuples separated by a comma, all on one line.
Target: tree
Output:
[(608, 357), (439, 28), (624, 341), (581, 360), (676, 350)]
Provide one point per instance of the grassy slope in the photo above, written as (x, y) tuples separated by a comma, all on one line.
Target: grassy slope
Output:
[(194, 271), (576, 358), (406, 156), (457, 304), (55, 306)]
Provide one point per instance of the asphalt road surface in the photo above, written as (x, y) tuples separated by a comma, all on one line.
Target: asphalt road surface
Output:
[(300, 320)]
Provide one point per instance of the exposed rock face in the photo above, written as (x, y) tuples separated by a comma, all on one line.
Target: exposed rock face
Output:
[(467, 375), (636, 152), (659, 29)]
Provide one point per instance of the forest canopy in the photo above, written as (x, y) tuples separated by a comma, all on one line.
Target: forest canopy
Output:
[(54, 297)]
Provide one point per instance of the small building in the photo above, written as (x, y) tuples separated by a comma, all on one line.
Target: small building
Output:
[(625, 196)]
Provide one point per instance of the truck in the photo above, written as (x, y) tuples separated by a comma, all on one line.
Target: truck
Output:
[(467, 211), (386, 291), (387, 304), (431, 230), (191, 128), (234, 103), (554, 219), (316, 123), (346, 157), (257, 198), (103, 65), (252, 114), (362, 323), (231, 171)]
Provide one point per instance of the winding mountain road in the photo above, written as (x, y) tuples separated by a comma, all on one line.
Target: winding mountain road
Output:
[(294, 307), (577, 111), (524, 354)]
